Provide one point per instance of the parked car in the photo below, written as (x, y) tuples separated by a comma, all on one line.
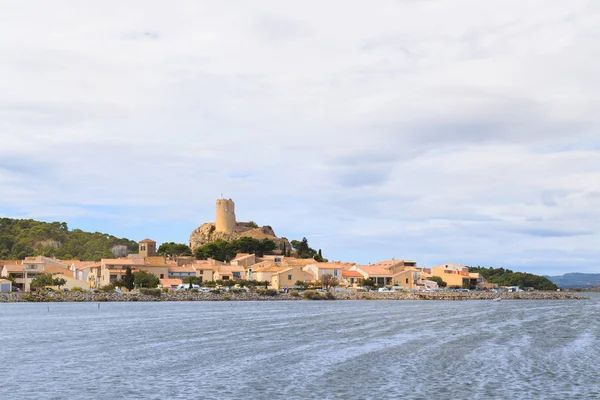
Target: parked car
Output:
[(186, 286), (16, 289)]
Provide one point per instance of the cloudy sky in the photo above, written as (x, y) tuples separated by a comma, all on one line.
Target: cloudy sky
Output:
[(432, 130)]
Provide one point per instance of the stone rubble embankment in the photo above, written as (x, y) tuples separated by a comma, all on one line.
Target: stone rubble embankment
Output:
[(251, 296)]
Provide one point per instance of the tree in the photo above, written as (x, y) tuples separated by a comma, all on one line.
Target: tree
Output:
[(191, 282), (59, 282), (23, 238), (302, 284), (266, 246), (329, 281), (128, 279), (228, 283), (438, 280), (368, 283), (219, 250), (252, 224), (174, 249), (42, 280), (144, 279), (506, 277)]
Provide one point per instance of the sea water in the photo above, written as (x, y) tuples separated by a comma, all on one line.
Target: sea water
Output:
[(301, 350)]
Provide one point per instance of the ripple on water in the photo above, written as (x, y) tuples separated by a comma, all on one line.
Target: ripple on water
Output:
[(277, 350)]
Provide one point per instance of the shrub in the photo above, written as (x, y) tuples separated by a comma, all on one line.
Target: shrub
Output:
[(267, 292), (76, 289), (313, 295), (294, 293), (151, 292), (107, 288), (329, 296), (216, 291), (237, 291), (195, 290), (28, 297), (102, 298), (227, 298), (165, 290)]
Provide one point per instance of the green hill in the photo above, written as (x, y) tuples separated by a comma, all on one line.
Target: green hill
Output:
[(506, 277), (20, 238)]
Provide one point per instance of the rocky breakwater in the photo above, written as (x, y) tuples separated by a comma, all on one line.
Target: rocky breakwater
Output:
[(458, 296), (125, 297), (253, 296)]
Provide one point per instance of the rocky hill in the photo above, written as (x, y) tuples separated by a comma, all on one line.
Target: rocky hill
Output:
[(207, 233)]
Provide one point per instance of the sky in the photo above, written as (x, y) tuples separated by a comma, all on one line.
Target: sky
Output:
[(430, 130)]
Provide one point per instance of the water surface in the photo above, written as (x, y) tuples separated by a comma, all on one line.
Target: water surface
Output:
[(301, 350)]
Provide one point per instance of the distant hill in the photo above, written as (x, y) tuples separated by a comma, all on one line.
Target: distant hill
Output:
[(576, 280), (20, 238)]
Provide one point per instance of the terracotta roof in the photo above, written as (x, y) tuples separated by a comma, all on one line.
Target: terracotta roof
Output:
[(121, 261), (227, 269), (271, 268), (14, 267), (261, 264), (69, 262), (239, 256), (79, 265), (352, 274), (147, 241), (168, 282), (330, 265), (299, 261), (155, 261), (374, 270)]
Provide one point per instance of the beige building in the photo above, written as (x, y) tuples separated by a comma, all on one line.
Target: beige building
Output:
[(244, 260), (5, 286), (351, 278), (88, 271), (455, 275), (392, 273), (228, 272), (25, 271), (286, 278), (281, 276), (318, 269)]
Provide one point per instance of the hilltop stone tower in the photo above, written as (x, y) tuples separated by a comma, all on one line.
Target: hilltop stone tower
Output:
[(225, 221)]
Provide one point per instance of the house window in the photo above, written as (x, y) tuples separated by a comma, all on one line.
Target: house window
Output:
[(236, 275), (143, 247), (162, 276), (201, 272), (289, 277), (406, 280)]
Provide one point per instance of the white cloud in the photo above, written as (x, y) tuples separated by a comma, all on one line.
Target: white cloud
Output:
[(431, 130)]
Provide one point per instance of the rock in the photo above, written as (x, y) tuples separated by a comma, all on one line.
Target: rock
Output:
[(207, 233)]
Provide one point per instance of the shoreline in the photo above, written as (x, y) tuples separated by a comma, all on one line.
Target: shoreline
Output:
[(90, 297)]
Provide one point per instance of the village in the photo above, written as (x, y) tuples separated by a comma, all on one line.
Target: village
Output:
[(280, 271)]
